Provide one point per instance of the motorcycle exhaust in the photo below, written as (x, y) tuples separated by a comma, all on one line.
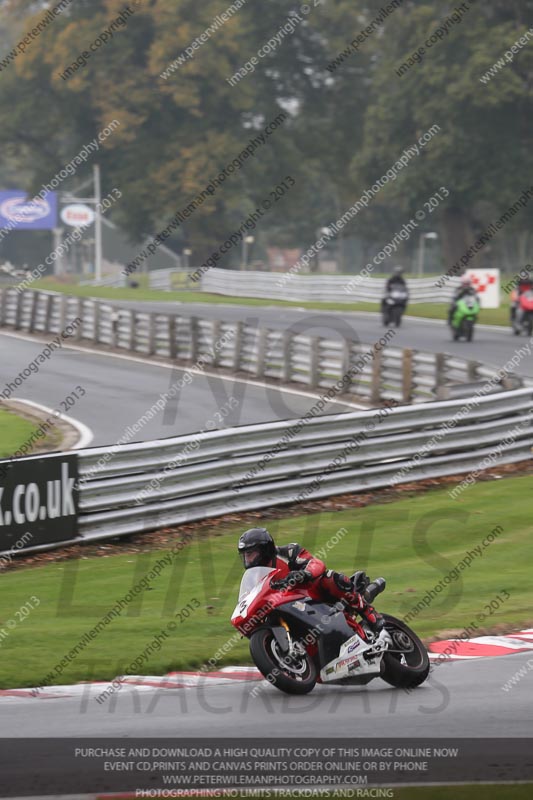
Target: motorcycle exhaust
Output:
[(374, 588)]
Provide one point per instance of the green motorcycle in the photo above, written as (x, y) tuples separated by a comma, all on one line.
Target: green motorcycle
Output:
[(464, 318)]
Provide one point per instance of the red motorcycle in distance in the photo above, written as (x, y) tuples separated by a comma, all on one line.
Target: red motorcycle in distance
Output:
[(297, 641), (522, 319)]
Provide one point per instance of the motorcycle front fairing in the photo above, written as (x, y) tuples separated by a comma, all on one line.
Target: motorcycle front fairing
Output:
[(257, 600)]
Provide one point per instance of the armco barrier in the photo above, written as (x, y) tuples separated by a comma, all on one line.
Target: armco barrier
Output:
[(304, 288), (145, 486), (258, 466), (376, 373)]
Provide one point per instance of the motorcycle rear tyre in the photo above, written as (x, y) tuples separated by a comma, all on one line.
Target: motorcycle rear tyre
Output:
[(397, 674)]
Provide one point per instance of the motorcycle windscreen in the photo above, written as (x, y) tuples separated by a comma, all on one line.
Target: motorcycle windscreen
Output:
[(252, 577)]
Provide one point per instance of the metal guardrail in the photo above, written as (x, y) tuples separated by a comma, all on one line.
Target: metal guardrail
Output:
[(110, 281), (391, 373), (141, 487), (168, 280), (259, 466), (304, 288)]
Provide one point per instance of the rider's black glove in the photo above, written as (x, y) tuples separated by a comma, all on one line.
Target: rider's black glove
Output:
[(294, 578)]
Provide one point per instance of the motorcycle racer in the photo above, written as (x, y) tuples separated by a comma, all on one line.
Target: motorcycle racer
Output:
[(396, 281), (298, 566), (463, 290), (524, 285)]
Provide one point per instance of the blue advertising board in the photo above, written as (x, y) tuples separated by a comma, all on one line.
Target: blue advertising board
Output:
[(19, 212)]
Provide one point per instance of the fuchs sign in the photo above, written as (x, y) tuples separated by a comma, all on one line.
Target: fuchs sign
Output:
[(19, 212), (38, 500)]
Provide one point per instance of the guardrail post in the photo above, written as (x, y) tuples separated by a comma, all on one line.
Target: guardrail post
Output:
[(18, 310), (286, 354), (151, 333), (375, 388), (407, 376), (78, 333), (314, 368), (215, 333), (195, 343), (133, 330), (3, 307), (346, 376), (472, 367), (172, 343), (48, 308), (115, 319), (62, 311), (33, 312), (440, 369), (262, 334), (238, 346), (96, 317)]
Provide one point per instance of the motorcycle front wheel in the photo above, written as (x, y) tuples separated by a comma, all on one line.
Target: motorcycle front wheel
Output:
[(406, 663), (295, 675), (397, 316)]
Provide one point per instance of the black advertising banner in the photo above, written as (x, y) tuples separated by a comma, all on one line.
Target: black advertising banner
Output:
[(38, 501), (253, 767)]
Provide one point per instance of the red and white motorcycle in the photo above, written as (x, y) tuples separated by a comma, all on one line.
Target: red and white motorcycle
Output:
[(297, 641)]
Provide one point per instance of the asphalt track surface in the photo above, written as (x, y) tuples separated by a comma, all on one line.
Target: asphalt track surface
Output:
[(460, 699), (120, 389), (492, 345)]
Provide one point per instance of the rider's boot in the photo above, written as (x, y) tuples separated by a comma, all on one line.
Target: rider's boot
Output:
[(374, 620)]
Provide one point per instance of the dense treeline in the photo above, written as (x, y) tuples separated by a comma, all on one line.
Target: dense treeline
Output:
[(360, 82)]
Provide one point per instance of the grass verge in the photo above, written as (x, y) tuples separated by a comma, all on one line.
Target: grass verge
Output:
[(14, 431), (413, 542)]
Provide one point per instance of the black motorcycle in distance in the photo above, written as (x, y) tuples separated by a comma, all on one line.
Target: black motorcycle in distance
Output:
[(394, 305)]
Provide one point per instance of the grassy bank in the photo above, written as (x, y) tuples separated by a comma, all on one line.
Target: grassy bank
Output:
[(14, 431), (414, 543), (493, 316)]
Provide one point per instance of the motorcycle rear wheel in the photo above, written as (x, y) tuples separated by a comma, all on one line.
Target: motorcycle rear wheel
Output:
[(296, 678), (410, 667)]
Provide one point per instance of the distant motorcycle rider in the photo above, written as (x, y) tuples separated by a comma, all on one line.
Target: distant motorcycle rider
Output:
[(257, 549), (466, 288), (396, 281), (524, 285)]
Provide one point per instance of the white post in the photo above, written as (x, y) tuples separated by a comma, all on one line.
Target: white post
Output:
[(58, 263), (421, 254), (97, 224)]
